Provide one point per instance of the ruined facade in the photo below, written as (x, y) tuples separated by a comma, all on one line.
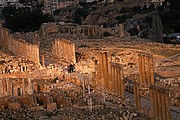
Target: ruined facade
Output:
[(18, 46), (64, 49), (48, 28), (4, 38), (81, 31), (88, 31)]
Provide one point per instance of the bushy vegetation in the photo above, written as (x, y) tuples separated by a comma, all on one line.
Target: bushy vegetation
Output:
[(171, 18), (24, 19), (82, 13)]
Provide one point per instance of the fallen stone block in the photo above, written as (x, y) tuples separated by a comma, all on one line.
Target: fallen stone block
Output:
[(37, 108), (14, 106), (51, 106), (2, 107)]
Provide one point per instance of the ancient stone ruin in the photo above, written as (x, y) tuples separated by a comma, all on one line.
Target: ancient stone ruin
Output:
[(36, 77)]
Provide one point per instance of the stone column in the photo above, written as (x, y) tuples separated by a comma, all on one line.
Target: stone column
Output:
[(140, 69), (163, 107), (105, 70), (135, 94), (113, 79), (155, 103), (151, 70), (118, 82), (159, 105), (109, 72), (56, 50), (98, 75), (15, 91), (38, 59), (8, 87), (23, 88), (147, 75), (99, 71), (73, 52), (148, 70), (137, 100), (66, 50), (167, 101), (12, 88), (143, 71), (43, 59), (70, 52), (30, 91), (122, 82), (152, 103)]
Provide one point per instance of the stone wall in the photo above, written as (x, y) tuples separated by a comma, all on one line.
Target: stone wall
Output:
[(4, 38), (88, 31), (81, 31), (24, 49), (18, 46), (48, 28), (64, 49)]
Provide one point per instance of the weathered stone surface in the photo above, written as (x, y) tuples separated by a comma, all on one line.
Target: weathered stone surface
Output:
[(51, 106), (14, 106)]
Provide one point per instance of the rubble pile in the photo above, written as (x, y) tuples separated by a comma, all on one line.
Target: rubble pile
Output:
[(10, 64), (72, 104)]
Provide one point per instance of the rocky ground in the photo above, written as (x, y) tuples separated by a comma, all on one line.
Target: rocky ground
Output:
[(124, 51), (103, 108)]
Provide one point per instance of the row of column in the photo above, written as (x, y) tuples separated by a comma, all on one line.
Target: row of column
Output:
[(89, 31), (102, 71), (109, 76), (15, 87), (146, 70), (64, 49), (160, 104), (116, 79)]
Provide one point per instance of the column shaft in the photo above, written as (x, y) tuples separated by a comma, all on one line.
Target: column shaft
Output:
[(122, 82), (156, 103), (140, 69), (23, 84), (163, 107), (159, 105), (167, 107), (151, 70), (42, 59), (152, 103), (143, 71)]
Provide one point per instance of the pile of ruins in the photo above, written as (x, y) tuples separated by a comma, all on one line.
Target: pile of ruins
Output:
[(38, 93)]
